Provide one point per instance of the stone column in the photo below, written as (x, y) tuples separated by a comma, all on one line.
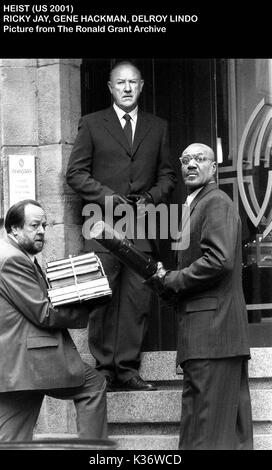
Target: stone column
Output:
[(18, 115), (39, 111), (59, 107), (40, 108)]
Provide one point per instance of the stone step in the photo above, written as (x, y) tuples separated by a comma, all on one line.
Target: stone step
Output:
[(165, 406), (129, 442), (157, 413), (170, 442), (161, 406), (155, 365), (143, 428), (161, 365), (155, 442)]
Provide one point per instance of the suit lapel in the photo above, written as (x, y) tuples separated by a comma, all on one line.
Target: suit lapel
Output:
[(142, 128), (205, 190), (113, 126), (40, 277)]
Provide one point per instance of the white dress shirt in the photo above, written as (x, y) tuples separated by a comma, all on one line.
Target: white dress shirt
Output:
[(191, 196), (133, 114)]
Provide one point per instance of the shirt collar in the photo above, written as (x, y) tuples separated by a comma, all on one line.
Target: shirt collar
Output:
[(191, 196), (120, 112)]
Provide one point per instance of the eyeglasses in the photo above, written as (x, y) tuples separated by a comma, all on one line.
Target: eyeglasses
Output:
[(198, 158)]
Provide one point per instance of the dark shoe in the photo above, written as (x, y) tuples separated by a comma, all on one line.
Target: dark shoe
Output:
[(110, 383), (137, 383)]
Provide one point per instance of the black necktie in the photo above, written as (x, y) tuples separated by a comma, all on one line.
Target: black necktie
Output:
[(128, 129)]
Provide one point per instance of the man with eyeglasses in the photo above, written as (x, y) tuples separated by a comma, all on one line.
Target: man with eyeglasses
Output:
[(213, 345)]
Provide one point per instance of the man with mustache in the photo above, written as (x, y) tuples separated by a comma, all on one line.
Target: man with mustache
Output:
[(37, 354), (121, 156), (213, 345)]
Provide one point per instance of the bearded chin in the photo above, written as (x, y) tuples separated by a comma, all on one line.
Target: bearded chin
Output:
[(31, 248), (36, 250)]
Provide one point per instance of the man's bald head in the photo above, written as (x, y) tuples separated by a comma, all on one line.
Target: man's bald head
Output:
[(198, 147)]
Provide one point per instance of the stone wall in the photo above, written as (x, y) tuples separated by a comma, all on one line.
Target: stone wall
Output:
[(39, 112)]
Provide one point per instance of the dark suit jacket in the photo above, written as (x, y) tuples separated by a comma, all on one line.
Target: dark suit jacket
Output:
[(211, 308), (36, 350), (101, 162)]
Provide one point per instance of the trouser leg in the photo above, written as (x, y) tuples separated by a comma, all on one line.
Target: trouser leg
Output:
[(211, 401), (90, 403), (19, 412), (244, 428), (103, 321), (117, 329), (134, 311)]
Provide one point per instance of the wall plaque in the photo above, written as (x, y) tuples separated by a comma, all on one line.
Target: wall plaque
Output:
[(22, 178)]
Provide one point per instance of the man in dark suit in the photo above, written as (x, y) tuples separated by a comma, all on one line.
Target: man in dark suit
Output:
[(121, 156), (37, 354), (213, 346)]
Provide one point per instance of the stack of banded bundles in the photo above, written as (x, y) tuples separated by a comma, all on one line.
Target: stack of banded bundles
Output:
[(76, 279)]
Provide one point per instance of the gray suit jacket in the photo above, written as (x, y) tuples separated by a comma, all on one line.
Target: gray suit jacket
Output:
[(36, 350), (212, 314)]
